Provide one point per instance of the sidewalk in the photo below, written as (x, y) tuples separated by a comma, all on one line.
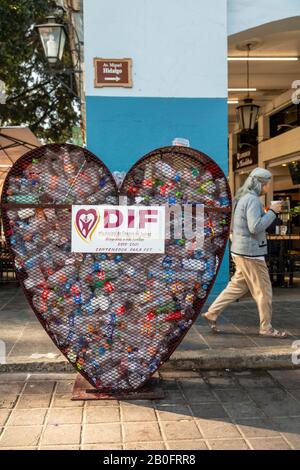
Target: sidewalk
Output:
[(205, 410), (29, 348)]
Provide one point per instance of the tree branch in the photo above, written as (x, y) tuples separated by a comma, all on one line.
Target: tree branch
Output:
[(45, 114), (25, 92)]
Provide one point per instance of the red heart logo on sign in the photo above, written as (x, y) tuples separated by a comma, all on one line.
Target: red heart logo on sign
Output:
[(117, 317), (86, 222)]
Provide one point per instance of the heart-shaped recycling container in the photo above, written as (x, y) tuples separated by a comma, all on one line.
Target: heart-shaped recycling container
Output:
[(115, 317)]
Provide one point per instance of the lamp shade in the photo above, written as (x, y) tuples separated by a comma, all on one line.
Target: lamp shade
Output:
[(53, 37), (247, 114)]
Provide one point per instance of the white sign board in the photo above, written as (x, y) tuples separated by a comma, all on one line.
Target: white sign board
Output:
[(118, 229)]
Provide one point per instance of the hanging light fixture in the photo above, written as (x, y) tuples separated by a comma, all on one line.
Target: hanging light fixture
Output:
[(247, 112), (53, 38), (54, 34)]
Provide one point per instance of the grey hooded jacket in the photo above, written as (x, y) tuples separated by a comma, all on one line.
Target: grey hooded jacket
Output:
[(249, 226)]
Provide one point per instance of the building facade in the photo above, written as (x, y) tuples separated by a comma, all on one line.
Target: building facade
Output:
[(180, 79)]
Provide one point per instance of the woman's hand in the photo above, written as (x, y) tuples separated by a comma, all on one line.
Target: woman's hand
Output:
[(276, 207)]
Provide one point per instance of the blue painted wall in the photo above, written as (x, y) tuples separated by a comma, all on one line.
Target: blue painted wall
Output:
[(121, 130)]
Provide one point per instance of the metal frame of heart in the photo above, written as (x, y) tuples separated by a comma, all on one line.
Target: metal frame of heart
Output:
[(116, 317)]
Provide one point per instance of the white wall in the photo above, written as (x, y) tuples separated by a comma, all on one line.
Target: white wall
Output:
[(246, 14), (177, 50)]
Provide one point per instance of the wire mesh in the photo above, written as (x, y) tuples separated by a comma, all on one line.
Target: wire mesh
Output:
[(116, 317)]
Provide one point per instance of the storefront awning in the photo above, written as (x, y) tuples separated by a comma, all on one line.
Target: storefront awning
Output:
[(14, 142)]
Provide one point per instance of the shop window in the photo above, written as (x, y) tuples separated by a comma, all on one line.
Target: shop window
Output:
[(247, 138), (285, 120)]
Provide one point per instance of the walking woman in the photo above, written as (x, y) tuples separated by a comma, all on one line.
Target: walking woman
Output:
[(248, 249)]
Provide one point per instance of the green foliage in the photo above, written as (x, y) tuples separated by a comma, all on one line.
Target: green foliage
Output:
[(35, 95), (295, 211)]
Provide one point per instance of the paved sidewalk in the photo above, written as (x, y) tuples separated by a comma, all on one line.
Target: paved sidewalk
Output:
[(208, 410), (27, 345)]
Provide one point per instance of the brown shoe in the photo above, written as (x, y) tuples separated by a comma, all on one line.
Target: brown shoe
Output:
[(211, 323), (272, 333)]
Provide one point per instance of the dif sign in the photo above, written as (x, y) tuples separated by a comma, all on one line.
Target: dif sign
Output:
[(118, 229)]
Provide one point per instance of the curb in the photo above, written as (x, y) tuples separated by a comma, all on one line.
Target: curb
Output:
[(233, 359), (210, 359), (37, 366)]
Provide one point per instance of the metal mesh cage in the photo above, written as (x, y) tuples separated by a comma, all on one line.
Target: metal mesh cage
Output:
[(116, 317)]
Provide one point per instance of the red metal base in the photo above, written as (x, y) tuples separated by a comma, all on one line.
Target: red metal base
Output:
[(83, 390)]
